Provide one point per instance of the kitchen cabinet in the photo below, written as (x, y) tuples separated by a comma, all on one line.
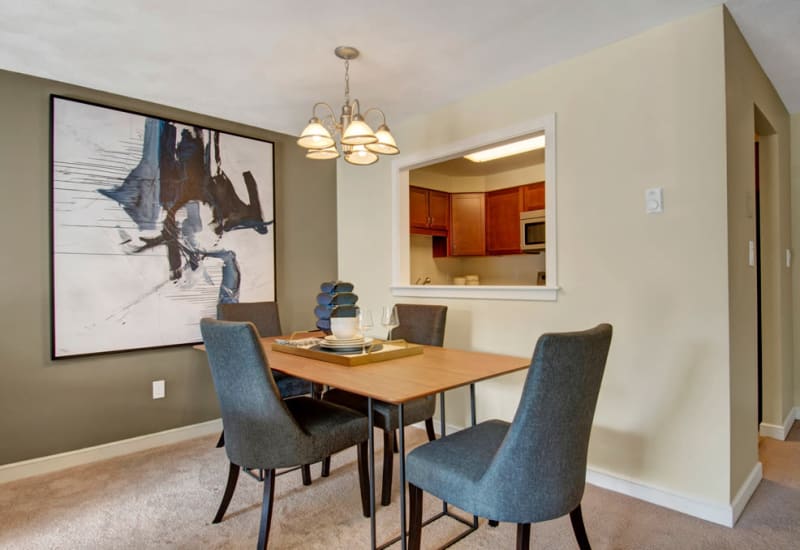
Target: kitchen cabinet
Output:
[(502, 220), (467, 224), (533, 196), (429, 211)]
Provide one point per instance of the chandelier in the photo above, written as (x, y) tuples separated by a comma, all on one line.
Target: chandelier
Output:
[(357, 142)]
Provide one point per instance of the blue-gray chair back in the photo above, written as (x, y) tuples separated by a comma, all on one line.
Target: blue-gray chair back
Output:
[(264, 315), (252, 409), (421, 324), (546, 445)]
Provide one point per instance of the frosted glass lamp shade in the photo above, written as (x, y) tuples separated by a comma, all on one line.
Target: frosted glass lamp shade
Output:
[(358, 132), (322, 154), (315, 136), (360, 156), (385, 144)]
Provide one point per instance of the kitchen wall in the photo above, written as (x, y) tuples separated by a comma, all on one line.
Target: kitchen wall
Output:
[(49, 407), (644, 112), (515, 269)]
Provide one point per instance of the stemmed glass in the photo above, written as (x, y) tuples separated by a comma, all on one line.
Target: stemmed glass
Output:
[(364, 324), (389, 319)]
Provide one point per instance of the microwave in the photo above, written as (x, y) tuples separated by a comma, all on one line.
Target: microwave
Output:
[(532, 231)]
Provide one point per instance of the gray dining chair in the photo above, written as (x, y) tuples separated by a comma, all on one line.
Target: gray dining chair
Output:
[(263, 430), (264, 315), (533, 469), (419, 324)]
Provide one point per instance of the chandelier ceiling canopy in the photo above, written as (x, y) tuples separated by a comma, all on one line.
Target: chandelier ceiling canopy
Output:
[(357, 141)]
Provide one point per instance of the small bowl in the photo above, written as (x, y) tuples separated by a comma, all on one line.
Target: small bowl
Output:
[(344, 327)]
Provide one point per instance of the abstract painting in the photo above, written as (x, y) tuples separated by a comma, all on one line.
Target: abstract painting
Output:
[(154, 222)]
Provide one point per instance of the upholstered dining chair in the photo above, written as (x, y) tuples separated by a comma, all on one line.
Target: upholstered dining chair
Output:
[(264, 315), (419, 324), (263, 430), (533, 469)]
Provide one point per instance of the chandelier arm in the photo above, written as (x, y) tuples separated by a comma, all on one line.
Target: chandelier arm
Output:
[(383, 115), (322, 103)]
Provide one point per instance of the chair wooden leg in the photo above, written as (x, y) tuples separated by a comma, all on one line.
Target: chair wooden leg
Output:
[(429, 429), (493, 523), (233, 475), (306, 471), (363, 477), (221, 441), (266, 509), (523, 536), (414, 517), (388, 464), (576, 517), (326, 466)]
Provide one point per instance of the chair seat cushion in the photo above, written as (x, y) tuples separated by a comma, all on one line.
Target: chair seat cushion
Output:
[(385, 414), (291, 386), (451, 468), (332, 428)]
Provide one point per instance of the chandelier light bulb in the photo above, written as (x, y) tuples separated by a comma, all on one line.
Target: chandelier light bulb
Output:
[(360, 156)]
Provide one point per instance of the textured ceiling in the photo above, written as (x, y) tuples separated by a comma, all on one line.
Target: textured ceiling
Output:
[(265, 63)]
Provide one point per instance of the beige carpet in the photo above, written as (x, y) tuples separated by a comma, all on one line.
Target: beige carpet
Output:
[(165, 498)]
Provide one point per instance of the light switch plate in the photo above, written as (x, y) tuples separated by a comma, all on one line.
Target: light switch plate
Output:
[(654, 200), (159, 389), (751, 253)]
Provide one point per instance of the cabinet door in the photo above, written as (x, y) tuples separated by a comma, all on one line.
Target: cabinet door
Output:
[(467, 224), (418, 207), (533, 196), (439, 209), (502, 220)]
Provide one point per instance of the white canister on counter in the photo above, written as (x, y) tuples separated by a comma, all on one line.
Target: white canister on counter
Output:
[(472, 279), (459, 281)]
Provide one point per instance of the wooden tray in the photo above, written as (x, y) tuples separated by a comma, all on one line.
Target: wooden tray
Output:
[(390, 350)]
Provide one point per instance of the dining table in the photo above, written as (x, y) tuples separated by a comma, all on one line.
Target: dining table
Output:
[(398, 381)]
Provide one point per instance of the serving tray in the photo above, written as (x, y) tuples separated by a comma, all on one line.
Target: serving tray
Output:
[(382, 350)]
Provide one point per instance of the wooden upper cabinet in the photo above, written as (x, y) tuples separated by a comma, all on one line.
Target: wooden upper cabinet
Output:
[(439, 209), (502, 220), (429, 211), (533, 196), (467, 224)]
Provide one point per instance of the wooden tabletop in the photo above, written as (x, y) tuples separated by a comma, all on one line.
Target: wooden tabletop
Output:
[(399, 380)]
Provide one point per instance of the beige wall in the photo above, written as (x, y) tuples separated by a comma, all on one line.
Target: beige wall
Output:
[(48, 407), (645, 112), (749, 91), (795, 192)]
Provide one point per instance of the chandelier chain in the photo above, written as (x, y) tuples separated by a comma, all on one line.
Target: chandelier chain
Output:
[(347, 81)]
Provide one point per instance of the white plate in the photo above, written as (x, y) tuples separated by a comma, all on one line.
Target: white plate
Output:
[(346, 345), (334, 340)]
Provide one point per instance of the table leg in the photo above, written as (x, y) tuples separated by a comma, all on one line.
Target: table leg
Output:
[(442, 433), (371, 474), (402, 454)]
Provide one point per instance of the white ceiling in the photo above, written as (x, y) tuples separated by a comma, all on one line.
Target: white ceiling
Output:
[(266, 62)]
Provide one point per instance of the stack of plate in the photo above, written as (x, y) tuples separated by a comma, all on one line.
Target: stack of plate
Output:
[(345, 344)]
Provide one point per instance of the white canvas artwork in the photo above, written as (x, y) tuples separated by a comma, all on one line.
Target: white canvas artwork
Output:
[(154, 222)]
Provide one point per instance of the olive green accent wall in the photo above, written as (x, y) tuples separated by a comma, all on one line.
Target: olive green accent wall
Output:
[(48, 407)]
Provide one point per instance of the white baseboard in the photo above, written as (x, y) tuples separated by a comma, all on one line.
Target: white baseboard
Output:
[(745, 492), (52, 463), (779, 432)]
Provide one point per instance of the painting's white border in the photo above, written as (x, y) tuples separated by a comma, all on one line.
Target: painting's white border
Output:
[(400, 232)]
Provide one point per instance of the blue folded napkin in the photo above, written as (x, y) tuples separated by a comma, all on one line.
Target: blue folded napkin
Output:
[(326, 312)]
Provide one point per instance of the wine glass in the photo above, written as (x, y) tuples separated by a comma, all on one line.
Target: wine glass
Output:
[(389, 319), (364, 324), (364, 321)]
